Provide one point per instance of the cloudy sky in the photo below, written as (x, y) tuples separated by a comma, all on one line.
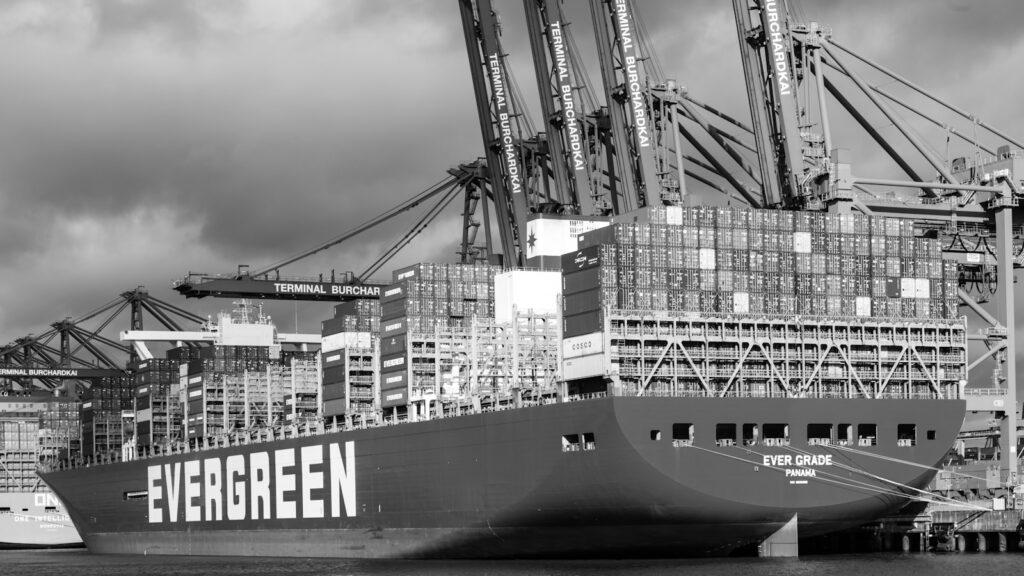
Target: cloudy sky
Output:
[(141, 139)]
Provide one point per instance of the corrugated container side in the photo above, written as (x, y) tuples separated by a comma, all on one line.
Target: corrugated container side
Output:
[(333, 391)]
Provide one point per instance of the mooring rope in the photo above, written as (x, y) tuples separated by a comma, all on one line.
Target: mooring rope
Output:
[(901, 461), (838, 480), (916, 494), (927, 496)]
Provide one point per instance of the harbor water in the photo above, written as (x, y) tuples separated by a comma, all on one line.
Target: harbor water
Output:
[(81, 563)]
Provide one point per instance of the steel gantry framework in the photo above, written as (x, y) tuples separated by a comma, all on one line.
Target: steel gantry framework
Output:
[(796, 76), (793, 70), (77, 349)]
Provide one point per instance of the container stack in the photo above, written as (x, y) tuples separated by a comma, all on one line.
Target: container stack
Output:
[(349, 359), (717, 301), (221, 397), (349, 380), (101, 411), (59, 428), (157, 412), (19, 440), (19, 450), (763, 262), (424, 300), (361, 315), (590, 282), (201, 397), (296, 388)]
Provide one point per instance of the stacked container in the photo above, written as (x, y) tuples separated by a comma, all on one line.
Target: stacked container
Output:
[(424, 300), (362, 315), (764, 262), (102, 408), (157, 411), (220, 395), (59, 428), (349, 359), (28, 419), (712, 301)]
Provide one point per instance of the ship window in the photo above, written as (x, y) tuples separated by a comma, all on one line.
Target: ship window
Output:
[(867, 434), (136, 495), (588, 441), (750, 434), (906, 434), (843, 434), (725, 434), (4, 509), (655, 434), (571, 443), (819, 434), (931, 434), (776, 434), (682, 434)]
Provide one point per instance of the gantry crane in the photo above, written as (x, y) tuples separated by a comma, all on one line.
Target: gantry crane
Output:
[(268, 282), (74, 349), (973, 206), (567, 107), (642, 110)]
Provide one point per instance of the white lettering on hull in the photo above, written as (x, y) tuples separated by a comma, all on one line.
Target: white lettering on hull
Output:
[(798, 465), (288, 483)]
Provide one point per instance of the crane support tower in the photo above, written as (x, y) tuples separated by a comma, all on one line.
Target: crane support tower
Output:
[(776, 54), (642, 111), (572, 136), (499, 125)]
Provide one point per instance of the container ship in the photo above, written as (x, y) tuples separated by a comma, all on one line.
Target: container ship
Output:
[(686, 381), (34, 426)]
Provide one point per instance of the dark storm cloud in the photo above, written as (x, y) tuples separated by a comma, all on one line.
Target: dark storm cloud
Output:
[(320, 134), (219, 133), (246, 146), (178, 20)]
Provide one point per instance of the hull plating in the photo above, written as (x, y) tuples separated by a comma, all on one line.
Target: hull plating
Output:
[(513, 483)]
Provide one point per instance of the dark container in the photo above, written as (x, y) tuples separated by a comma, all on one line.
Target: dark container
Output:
[(333, 391)]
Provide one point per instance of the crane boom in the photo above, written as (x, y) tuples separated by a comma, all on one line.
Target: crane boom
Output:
[(261, 284), (498, 120), (559, 86), (643, 112), (777, 55)]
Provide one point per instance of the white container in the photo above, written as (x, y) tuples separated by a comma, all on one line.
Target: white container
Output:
[(523, 291)]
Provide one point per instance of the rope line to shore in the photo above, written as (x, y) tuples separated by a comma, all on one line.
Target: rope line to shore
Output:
[(854, 484), (928, 496), (838, 480), (907, 462)]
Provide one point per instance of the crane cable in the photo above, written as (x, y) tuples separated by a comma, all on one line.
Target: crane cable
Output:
[(384, 216), (420, 225)]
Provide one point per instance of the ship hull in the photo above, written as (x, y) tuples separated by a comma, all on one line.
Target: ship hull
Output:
[(599, 477), (35, 520)]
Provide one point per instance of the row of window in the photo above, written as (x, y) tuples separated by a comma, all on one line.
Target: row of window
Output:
[(774, 434)]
